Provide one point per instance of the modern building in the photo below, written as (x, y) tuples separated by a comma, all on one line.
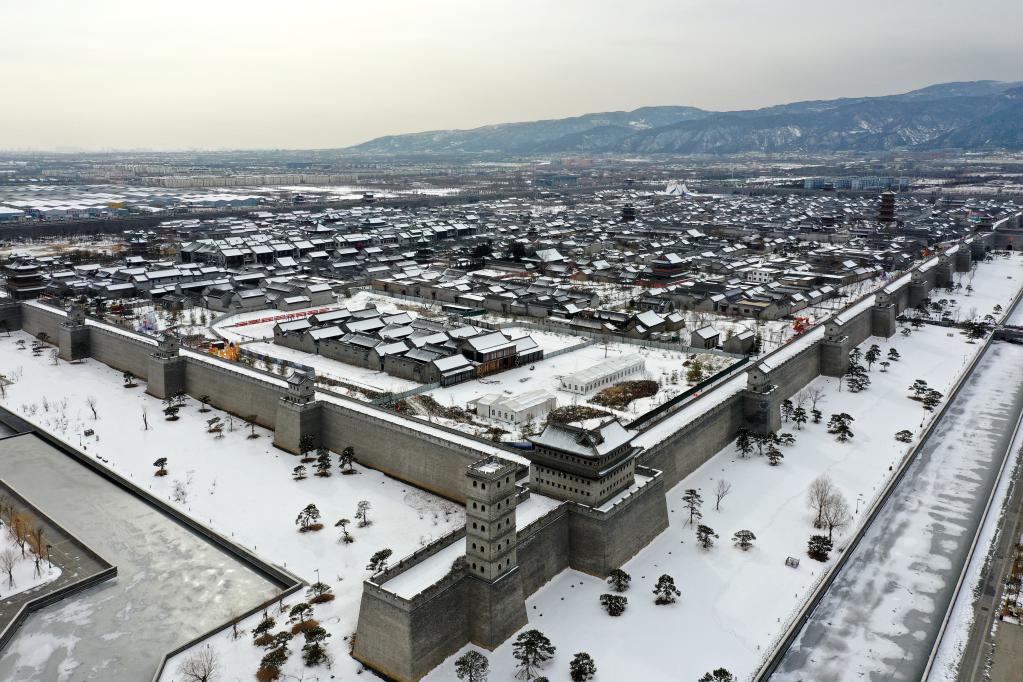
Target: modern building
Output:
[(604, 374), (516, 409)]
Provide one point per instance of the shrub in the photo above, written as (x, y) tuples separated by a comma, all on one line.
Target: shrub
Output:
[(303, 626), (620, 395), (574, 413), (321, 598), (268, 673)]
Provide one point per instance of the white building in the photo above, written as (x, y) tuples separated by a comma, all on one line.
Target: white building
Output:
[(516, 409), (603, 374)]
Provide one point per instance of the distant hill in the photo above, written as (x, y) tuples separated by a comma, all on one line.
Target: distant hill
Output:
[(970, 115)]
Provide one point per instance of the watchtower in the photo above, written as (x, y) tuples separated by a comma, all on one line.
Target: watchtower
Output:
[(166, 368), (73, 335), (490, 518), (497, 604), (298, 412)]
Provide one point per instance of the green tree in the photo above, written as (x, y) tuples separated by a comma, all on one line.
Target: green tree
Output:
[(705, 535), (691, 500), (719, 675), (665, 591), (619, 580), (582, 667), (819, 547), (743, 539), (614, 604), (744, 442), (531, 650), (472, 666)]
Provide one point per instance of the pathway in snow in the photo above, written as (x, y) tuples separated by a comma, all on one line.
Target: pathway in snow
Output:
[(880, 618)]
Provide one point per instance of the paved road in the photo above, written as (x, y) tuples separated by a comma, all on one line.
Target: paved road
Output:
[(880, 618), (172, 585)]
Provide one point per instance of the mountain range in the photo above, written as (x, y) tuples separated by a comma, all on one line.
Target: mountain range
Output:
[(964, 115)]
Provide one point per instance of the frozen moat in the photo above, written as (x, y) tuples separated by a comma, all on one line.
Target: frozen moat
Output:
[(172, 584), (880, 617)]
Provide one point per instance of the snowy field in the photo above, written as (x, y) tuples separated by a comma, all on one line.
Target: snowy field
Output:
[(881, 617), (241, 487), (993, 284), (23, 575), (736, 604)]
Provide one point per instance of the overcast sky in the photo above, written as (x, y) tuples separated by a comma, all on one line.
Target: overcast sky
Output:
[(327, 73)]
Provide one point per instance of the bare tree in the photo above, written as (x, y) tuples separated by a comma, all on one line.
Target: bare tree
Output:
[(814, 395), (817, 498), (803, 397), (8, 558), (91, 402), (202, 666), (836, 513), (721, 491)]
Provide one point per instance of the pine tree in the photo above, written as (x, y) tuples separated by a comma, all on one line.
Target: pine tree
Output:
[(378, 561), (919, 388), (346, 458), (692, 501), (819, 547), (893, 355), (932, 399), (362, 513), (904, 436), (532, 650), (307, 517), (665, 590), (619, 580), (816, 414), (872, 355), (582, 667), (614, 604), (472, 666), (743, 539), (705, 536), (787, 408), (774, 455), (719, 675), (298, 473), (313, 652), (839, 426), (799, 417), (323, 463), (744, 442), (784, 438)]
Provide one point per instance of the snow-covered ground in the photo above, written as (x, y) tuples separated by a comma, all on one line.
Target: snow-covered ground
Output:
[(736, 604), (241, 487), (24, 574), (993, 283), (881, 617)]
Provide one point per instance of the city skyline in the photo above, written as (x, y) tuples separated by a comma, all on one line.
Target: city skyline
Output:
[(113, 75)]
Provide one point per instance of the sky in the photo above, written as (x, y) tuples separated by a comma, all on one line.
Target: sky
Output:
[(220, 74)]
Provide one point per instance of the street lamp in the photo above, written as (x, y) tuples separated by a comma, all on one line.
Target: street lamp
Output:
[(859, 497)]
